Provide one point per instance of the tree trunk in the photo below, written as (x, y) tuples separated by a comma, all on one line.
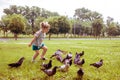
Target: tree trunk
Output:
[(4, 33), (15, 36), (50, 36)]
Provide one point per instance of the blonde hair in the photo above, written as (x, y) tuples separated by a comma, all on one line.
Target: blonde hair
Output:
[(44, 25)]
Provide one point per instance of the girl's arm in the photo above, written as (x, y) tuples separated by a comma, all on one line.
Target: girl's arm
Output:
[(32, 41)]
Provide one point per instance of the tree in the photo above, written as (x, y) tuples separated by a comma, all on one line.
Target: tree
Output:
[(118, 28), (86, 19), (30, 13), (112, 27), (54, 29), (12, 10), (16, 24), (113, 30), (4, 24), (63, 25), (58, 25), (80, 13), (86, 15), (97, 26), (77, 29)]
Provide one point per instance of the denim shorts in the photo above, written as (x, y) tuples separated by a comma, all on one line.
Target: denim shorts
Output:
[(34, 47)]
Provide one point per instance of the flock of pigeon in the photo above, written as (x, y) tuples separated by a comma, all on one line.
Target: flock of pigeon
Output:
[(67, 62)]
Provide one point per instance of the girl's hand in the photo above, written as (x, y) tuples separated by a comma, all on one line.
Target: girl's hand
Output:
[(32, 41), (29, 45)]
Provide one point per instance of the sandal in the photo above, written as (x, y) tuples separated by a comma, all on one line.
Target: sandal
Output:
[(43, 58)]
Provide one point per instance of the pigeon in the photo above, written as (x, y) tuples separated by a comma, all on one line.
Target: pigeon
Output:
[(69, 56), (70, 62), (81, 62), (80, 73), (59, 58), (50, 72), (17, 64), (97, 64), (58, 55), (58, 52), (77, 58), (67, 61), (82, 53), (64, 68), (47, 65)]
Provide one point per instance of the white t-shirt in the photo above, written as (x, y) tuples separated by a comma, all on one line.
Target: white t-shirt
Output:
[(40, 36)]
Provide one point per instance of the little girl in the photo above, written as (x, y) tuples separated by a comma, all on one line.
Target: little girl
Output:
[(37, 41)]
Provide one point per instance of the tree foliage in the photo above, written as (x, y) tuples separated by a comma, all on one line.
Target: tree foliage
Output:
[(63, 25), (113, 29), (58, 25), (97, 26), (84, 22), (86, 15), (16, 24)]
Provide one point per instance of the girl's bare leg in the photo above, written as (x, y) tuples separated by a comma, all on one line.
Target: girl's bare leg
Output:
[(44, 51), (35, 55)]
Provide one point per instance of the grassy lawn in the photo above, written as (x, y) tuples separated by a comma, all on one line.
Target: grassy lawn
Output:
[(108, 50)]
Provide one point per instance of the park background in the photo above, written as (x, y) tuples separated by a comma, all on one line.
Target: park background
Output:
[(86, 30)]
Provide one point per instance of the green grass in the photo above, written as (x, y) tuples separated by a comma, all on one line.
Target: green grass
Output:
[(108, 50)]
